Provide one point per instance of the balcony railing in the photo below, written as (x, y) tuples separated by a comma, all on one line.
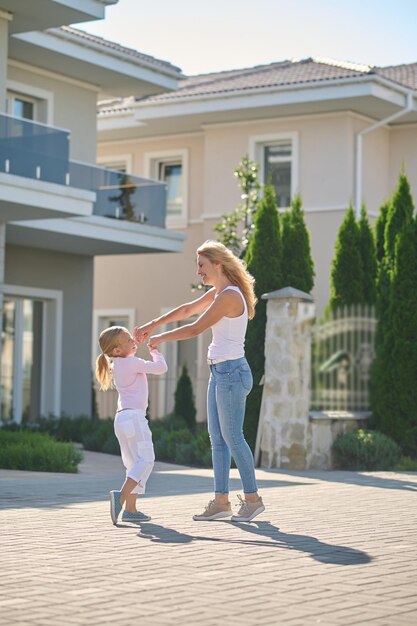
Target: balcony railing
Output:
[(121, 195), (33, 150), (41, 152)]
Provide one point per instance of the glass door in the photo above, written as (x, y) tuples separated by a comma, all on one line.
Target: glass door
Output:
[(7, 359), (21, 358)]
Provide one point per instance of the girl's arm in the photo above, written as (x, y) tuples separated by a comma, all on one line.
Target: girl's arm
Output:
[(221, 307), (156, 366), (141, 333)]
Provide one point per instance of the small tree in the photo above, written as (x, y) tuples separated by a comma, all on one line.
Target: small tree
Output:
[(400, 213), (398, 413), (263, 258), (346, 278), (297, 264), (368, 258), (380, 225), (235, 228), (397, 216), (126, 189), (184, 405)]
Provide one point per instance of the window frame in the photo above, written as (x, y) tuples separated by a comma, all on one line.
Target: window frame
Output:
[(152, 165), (97, 314), (257, 143), (51, 365), (115, 161), (15, 89)]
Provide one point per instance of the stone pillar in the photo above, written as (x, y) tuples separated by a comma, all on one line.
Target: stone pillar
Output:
[(283, 432)]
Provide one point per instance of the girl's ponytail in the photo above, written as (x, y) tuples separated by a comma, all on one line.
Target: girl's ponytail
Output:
[(103, 372), (108, 341)]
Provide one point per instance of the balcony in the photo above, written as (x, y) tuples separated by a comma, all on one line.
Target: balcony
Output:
[(39, 156), (120, 195)]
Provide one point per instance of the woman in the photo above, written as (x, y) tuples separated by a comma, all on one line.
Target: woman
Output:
[(225, 309)]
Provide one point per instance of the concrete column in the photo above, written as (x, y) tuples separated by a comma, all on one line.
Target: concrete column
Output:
[(2, 275), (283, 433), (5, 18)]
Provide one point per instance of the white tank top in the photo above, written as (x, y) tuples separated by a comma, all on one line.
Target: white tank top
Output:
[(229, 334)]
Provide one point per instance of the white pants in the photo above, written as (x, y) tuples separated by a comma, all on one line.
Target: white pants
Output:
[(135, 440)]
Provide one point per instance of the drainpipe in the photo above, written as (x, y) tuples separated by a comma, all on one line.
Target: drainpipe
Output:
[(358, 150)]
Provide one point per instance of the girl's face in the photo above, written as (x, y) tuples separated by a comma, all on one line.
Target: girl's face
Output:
[(206, 269), (126, 345)]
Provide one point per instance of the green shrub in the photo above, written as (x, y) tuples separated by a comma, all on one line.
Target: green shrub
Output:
[(406, 464), (365, 450), (31, 451), (175, 438), (101, 436), (180, 445)]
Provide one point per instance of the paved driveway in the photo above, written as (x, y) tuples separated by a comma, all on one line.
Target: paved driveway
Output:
[(332, 548)]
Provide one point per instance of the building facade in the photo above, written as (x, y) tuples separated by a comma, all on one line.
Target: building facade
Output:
[(58, 210), (334, 132)]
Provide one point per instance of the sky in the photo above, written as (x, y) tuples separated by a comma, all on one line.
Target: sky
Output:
[(202, 36)]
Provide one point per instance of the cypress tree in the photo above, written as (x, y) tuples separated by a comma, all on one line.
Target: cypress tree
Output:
[(184, 405), (368, 258), (400, 212), (346, 277), (380, 225), (297, 264), (394, 217), (263, 258), (398, 414)]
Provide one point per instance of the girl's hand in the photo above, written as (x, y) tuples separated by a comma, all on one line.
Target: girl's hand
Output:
[(154, 342), (142, 333)]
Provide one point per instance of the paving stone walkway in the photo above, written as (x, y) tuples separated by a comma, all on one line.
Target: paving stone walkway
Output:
[(332, 548)]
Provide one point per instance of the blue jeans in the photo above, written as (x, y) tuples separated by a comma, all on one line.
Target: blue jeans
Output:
[(229, 384)]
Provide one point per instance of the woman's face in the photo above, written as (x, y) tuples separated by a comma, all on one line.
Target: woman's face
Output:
[(206, 270)]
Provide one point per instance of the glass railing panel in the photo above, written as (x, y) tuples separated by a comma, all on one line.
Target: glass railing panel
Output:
[(120, 195), (33, 150)]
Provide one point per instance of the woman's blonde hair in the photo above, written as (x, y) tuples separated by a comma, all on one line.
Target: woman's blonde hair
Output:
[(108, 341), (233, 268)]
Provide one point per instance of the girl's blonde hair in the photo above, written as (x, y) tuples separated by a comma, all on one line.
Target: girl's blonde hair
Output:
[(233, 268), (108, 341)]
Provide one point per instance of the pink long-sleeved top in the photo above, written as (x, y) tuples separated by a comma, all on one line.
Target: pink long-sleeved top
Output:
[(129, 375)]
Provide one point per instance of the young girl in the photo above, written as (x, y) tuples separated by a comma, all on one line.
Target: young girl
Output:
[(118, 364)]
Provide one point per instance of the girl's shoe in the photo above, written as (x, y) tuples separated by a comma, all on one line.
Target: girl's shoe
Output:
[(115, 506), (248, 510), (137, 516)]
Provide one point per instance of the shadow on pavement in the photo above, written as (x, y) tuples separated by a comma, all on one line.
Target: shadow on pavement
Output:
[(40, 490), (362, 479), (318, 550)]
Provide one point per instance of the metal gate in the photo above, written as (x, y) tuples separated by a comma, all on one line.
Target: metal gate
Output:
[(342, 353)]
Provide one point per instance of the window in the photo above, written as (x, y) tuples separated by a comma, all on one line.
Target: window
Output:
[(30, 102), (171, 174), (171, 167), (277, 157), (22, 107), (103, 318), (119, 162)]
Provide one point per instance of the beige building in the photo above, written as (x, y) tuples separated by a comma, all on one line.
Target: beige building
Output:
[(334, 132)]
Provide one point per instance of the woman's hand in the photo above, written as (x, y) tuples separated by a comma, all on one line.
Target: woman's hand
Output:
[(154, 342), (142, 333)]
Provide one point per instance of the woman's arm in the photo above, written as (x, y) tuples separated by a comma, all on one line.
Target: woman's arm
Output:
[(223, 306), (141, 333)]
